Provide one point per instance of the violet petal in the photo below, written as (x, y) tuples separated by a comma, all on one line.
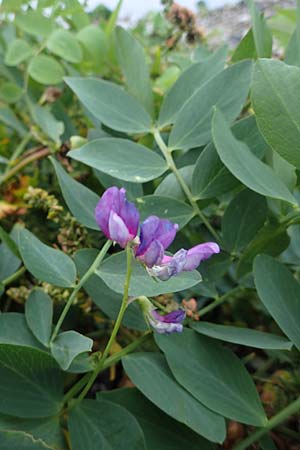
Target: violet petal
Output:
[(118, 231), (200, 253)]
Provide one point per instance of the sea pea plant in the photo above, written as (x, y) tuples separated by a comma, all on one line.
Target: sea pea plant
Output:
[(187, 208)]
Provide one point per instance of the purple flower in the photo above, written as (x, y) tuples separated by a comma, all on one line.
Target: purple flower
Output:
[(117, 217), (169, 323), (183, 260), (156, 235)]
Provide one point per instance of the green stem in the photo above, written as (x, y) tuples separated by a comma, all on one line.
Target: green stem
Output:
[(83, 280), (128, 349), (220, 300), (109, 362), (272, 423), (117, 325), (13, 277), (19, 149), (76, 388), (172, 166), (29, 159)]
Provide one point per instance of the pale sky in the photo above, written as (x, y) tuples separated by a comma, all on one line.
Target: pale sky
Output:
[(137, 8)]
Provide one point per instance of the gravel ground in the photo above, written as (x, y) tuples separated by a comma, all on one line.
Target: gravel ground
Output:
[(229, 23)]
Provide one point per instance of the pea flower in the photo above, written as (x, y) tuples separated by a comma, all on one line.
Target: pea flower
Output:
[(183, 260), (156, 235), (117, 217), (167, 324), (162, 324)]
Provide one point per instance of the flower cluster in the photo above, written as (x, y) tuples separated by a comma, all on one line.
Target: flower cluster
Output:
[(120, 222)]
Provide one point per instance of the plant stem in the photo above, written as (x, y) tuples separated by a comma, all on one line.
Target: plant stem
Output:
[(34, 157), (16, 154), (76, 388), (172, 166), (128, 349), (109, 362), (272, 423), (101, 365), (83, 280), (220, 300), (13, 277)]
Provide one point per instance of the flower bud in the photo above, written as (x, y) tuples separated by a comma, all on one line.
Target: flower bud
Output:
[(162, 324)]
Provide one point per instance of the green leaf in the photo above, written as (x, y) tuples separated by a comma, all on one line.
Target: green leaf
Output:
[(106, 299), (113, 273), (271, 239), (161, 432), (145, 369), (285, 170), (111, 24), (292, 53), (191, 80), (39, 313), (197, 361), (245, 49), (227, 90), (266, 443), (94, 43), (10, 92), (245, 215), (242, 336), (46, 263), (165, 207), (210, 177), (11, 5), (82, 363), (64, 44), (79, 17), (8, 240), (133, 190), (110, 104), (48, 430), (276, 105), (44, 118), (103, 425), (132, 59), (282, 25), (35, 23), (8, 117), (45, 70), (244, 165), (122, 159), (215, 267), (166, 80), (31, 383), (68, 345), (280, 294), (80, 200), (9, 261), (169, 187), (261, 33), (19, 440), (14, 330)]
